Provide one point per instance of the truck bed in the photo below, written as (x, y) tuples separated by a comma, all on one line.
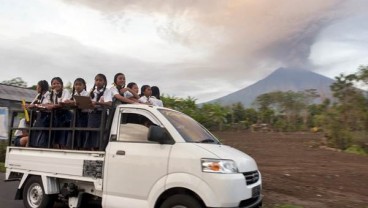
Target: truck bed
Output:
[(68, 164)]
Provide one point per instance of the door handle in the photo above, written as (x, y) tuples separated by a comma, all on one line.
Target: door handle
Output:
[(120, 152)]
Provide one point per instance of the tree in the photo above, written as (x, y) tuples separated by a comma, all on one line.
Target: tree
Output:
[(237, 113), (18, 82), (68, 86), (215, 114), (345, 123), (289, 105)]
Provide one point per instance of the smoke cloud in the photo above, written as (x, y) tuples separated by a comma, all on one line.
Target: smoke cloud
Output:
[(210, 47), (240, 33)]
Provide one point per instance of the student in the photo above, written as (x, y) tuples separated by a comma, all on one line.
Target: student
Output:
[(156, 94), (62, 116), (133, 87), (101, 96), (40, 117), (79, 89), (146, 95), (21, 136), (118, 90)]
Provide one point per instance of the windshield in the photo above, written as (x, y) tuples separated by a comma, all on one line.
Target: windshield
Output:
[(188, 128)]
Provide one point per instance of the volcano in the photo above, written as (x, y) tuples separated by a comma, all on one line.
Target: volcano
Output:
[(282, 79)]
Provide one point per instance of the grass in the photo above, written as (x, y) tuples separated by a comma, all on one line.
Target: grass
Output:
[(2, 168), (355, 149)]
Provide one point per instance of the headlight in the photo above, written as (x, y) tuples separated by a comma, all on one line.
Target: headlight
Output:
[(219, 166)]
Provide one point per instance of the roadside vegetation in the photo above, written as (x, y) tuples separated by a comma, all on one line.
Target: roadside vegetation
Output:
[(2, 167), (3, 144)]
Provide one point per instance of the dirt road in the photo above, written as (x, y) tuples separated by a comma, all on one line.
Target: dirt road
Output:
[(295, 170)]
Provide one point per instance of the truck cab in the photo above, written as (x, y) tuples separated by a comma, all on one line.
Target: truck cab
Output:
[(154, 157)]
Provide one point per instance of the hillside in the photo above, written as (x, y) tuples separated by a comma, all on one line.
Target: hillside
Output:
[(282, 79)]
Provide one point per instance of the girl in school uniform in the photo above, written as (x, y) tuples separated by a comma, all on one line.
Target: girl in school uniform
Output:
[(146, 96), (118, 90), (62, 117), (79, 89), (101, 96), (40, 117), (132, 96), (156, 94)]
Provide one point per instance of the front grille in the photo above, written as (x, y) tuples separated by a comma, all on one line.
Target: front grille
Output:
[(251, 177)]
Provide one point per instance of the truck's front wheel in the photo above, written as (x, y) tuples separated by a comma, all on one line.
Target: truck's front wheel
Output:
[(34, 194), (181, 201)]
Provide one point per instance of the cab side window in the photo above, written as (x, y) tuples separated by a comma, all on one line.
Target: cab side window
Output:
[(134, 128)]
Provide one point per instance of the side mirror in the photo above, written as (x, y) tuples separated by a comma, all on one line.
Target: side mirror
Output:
[(160, 135)]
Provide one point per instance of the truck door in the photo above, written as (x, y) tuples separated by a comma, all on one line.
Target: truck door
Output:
[(133, 164)]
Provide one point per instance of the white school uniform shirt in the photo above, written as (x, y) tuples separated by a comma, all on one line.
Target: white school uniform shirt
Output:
[(65, 95), (114, 91), (45, 99), (22, 124), (152, 100), (106, 97), (128, 94), (157, 102), (83, 93)]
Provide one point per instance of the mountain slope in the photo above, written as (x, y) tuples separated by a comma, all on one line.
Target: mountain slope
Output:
[(282, 79)]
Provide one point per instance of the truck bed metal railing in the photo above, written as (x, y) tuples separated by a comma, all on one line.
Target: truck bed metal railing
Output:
[(103, 129)]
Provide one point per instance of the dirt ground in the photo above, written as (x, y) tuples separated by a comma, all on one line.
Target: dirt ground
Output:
[(297, 171)]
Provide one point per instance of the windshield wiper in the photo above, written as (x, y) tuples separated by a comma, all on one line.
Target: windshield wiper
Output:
[(208, 141)]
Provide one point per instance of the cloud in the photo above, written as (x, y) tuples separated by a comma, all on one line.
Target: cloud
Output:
[(65, 57), (34, 58), (203, 49), (245, 39), (238, 31), (341, 46)]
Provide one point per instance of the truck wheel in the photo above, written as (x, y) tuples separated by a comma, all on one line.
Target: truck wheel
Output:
[(181, 201), (34, 194)]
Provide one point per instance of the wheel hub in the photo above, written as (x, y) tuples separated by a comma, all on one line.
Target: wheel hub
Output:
[(35, 195)]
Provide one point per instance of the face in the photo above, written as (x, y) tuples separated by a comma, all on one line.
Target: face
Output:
[(56, 85), (99, 82), (120, 80), (147, 92), (38, 88), (78, 86), (135, 88)]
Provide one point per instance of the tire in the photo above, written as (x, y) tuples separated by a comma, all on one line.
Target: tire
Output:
[(34, 194), (181, 201)]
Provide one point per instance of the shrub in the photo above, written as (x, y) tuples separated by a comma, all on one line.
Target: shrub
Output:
[(355, 149), (3, 145)]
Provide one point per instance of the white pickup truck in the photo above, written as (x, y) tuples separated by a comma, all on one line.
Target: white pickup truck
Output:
[(173, 163)]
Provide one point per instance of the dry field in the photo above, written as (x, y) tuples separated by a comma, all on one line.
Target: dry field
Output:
[(297, 171)]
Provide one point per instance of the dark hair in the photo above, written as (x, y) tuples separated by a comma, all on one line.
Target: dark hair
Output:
[(44, 85), (78, 80), (118, 86), (143, 88), (116, 77), (155, 92), (99, 95), (58, 94), (131, 84)]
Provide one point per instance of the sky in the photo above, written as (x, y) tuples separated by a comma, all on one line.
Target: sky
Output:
[(204, 49)]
